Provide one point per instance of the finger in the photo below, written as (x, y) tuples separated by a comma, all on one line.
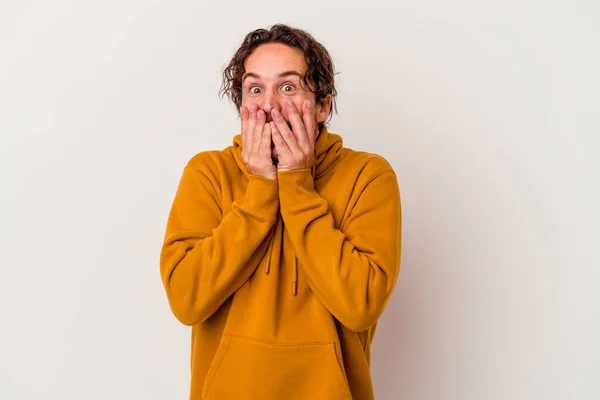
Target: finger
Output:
[(284, 131), (250, 125), (280, 144), (265, 142), (244, 117), (309, 118), (258, 131), (244, 114), (297, 124)]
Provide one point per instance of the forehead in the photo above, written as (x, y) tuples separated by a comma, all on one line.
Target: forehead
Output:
[(273, 58)]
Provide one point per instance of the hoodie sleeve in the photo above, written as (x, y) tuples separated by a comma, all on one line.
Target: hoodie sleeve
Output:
[(352, 270), (206, 257)]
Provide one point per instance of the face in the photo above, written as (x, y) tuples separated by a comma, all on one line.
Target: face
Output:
[(274, 74)]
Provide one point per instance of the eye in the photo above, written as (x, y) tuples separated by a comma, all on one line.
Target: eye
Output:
[(255, 90), (288, 88)]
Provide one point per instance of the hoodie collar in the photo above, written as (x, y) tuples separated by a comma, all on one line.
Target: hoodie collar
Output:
[(328, 149)]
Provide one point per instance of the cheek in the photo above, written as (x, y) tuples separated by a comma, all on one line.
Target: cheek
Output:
[(298, 103), (246, 102)]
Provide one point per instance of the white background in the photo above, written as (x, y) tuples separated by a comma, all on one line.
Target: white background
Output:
[(487, 110)]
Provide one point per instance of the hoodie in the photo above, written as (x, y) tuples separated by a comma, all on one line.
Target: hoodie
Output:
[(282, 281)]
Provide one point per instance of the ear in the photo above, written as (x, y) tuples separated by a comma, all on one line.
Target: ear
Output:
[(323, 109)]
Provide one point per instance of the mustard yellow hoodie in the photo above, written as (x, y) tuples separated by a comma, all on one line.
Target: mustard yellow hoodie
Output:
[(283, 281)]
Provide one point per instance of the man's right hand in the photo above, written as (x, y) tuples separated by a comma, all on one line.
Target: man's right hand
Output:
[(256, 143)]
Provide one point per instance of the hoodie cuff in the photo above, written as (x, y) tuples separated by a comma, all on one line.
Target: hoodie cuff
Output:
[(296, 188), (261, 195)]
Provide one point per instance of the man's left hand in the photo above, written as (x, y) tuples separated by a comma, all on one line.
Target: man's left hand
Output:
[(295, 147)]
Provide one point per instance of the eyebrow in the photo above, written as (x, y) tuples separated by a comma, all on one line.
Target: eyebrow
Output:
[(281, 75)]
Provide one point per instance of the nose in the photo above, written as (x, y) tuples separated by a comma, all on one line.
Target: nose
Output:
[(270, 101)]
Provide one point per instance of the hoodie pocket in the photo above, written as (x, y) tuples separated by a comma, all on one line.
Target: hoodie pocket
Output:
[(245, 369)]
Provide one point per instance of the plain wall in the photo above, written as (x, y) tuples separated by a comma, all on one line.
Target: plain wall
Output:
[(488, 111)]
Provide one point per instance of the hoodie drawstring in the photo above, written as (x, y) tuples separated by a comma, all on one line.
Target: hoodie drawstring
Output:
[(270, 251), (270, 256)]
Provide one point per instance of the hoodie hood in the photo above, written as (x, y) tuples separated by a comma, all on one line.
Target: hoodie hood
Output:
[(328, 148)]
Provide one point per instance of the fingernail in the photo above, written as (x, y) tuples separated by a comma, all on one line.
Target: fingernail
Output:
[(290, 103), (275, 111), (308, 104)]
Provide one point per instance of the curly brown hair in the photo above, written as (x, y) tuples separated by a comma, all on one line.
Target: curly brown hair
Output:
[(319, 76)]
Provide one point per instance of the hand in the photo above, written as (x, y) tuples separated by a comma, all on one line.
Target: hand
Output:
[(296, 147), (256, 143)]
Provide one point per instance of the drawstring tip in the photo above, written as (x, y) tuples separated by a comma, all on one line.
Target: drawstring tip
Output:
[(295, 288), (267, 268)]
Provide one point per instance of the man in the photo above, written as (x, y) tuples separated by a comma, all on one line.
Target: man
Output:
[(282, 250)]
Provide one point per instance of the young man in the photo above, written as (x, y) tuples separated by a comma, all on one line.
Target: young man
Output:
[(282, 250)]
